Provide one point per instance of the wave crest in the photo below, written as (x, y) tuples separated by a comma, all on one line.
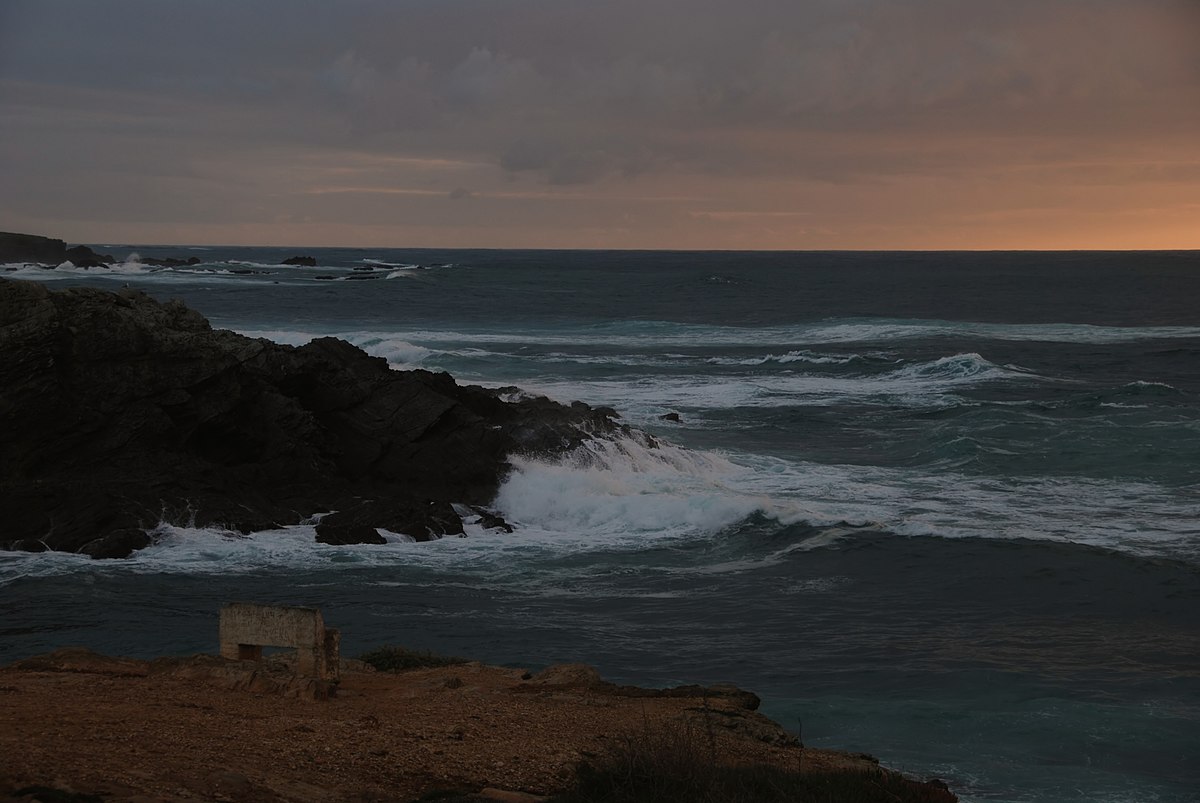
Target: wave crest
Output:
[(626, 486)]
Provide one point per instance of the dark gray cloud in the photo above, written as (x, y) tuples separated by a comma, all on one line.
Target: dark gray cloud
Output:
[(245, 106)]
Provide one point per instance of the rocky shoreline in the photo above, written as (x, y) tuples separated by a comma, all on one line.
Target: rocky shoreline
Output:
[(121, 412), (83, 727), (50, 254)]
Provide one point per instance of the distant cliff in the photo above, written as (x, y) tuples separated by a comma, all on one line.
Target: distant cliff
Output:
[(32, 248), (119, 411)]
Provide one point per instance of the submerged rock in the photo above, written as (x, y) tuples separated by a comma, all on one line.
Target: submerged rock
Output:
[(307, 262), (120, 412)]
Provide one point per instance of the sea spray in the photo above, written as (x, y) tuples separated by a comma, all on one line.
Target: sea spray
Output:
[(627, 488)]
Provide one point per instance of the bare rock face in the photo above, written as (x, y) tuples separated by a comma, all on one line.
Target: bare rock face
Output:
[(119, 412), (31, 248), (47, 251)]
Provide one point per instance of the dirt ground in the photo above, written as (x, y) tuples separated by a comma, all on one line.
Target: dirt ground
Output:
[(207, 729)]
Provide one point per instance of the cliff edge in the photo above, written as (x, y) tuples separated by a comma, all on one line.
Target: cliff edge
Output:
[(82, 727)]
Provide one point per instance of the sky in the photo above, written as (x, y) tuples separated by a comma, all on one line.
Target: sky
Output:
[(693, 124)]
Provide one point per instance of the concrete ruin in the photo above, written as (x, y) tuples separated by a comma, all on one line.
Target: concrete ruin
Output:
[(247, 627)]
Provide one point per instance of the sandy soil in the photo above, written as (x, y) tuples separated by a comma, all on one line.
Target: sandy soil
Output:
[(203, 728)]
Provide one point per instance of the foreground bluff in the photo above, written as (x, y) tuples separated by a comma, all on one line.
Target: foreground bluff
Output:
[(118, 411)]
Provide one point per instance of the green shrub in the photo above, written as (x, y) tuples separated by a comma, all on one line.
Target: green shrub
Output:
[(398, 659)]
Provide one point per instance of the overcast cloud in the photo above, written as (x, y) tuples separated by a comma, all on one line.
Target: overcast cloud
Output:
[(611, 123)]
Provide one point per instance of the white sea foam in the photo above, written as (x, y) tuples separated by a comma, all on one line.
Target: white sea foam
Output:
[(379, 263), (32, 271), (1160, 387), (627, 496), (855, 331), (1142, 518), (399, 353), (132, 266), (626, 487), (876, 332), (643, 398), (272, 265), (791, 356)]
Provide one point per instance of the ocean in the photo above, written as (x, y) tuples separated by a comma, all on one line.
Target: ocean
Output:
[(942, 507)]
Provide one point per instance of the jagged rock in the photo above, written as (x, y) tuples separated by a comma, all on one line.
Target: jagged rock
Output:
[(83, 257), (747, 723), (28, 545), (490, 521), (350, 534), (307, 262), (117, 544), (422, 521), (120, 412)]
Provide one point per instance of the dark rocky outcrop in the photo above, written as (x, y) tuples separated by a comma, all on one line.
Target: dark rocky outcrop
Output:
[(44, 250), (306, 262), (31, 248), (490, 521), (119, 412), (360, 524), (169, 262), (83, 257)]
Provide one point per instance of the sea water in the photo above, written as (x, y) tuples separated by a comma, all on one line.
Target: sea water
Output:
[(939, 507)]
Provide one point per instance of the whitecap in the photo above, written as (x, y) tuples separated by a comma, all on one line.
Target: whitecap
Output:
[(1143, 385), (801, 356), (381, 264), (614, 489), (643, 398)]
